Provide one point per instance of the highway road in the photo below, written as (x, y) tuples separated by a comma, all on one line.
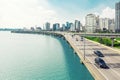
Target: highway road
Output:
[(112, 58)]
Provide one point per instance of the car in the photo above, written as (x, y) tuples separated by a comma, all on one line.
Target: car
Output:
[(101, 63), (72, 35), (98, 53), (76, 39), (81, 38)]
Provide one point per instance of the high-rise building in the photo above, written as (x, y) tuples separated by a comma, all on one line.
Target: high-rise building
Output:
[(47, 26), (117, 17), (72, 27), (103, 23), (106, 24), (38, 29), (63, 27), (97, 23), (77, 25), (32, 28), (56, 27), (81, 27), (111, 25), (67, 25), (90, 24)]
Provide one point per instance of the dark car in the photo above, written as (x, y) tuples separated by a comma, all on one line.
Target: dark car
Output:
[(101, 63), (76, 39), (81, 38), (98, 53)]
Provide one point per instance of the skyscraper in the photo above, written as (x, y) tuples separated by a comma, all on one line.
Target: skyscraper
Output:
[(56, 27), (77, 25), (90, 23), (47, 26), (67, 25), (72, 27), (63, 27), (117, 17)]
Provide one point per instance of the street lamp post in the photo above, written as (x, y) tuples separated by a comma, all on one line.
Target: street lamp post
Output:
[(84, 43), (112, 38), (84, 48)]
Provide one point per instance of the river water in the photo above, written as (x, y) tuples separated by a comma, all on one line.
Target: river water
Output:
[(38, 57)]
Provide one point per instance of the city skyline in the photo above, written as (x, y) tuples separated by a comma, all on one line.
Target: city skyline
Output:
[(27, 13)]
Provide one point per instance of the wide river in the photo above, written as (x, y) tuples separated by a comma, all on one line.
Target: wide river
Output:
[(38, 57)]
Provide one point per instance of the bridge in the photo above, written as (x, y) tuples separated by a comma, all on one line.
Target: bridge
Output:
[(99, 34), (58, 32)]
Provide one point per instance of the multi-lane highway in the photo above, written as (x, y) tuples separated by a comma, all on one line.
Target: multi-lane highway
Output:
[(112, 58)]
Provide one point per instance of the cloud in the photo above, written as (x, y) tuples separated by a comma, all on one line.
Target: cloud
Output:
[(108, 13), (25, 13), (103, 12)]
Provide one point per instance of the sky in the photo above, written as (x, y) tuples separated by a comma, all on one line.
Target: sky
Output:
[(30, 13)]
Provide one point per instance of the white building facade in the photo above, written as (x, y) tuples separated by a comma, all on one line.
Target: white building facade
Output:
[(106, 24), (90, 23)]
